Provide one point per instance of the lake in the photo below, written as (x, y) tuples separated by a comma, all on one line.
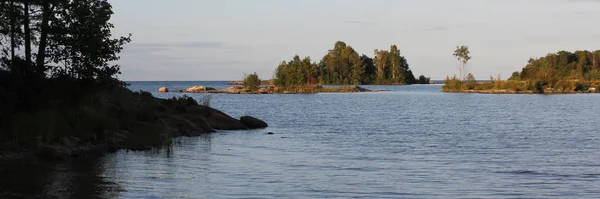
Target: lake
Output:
[(409, 142)]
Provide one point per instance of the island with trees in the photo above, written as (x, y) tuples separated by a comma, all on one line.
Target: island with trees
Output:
[(342, 65), (60, 96), (561, 72), (342, 69)]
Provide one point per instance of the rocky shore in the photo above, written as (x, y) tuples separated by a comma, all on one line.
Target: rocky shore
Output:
[(271, 90), (144, 122)]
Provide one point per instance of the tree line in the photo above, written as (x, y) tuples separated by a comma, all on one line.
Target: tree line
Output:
[(563, 65), (343, 65), (561, 72)]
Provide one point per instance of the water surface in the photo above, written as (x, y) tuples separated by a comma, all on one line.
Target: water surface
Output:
[(410, 142)]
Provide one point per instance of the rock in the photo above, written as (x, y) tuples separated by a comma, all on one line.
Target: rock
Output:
[(253, 123), (263, 91), (197, 89), (51, 152), (163, 90), (232, 90), (221, 121), (592, 90), (270, 133)]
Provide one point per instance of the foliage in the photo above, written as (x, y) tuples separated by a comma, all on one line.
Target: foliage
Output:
[(471, 81), (58, 89), (462, 54), (423, 80), (453, 84), (296, 72), (251, 81), (343, 65), (579, 65), (562, 72)]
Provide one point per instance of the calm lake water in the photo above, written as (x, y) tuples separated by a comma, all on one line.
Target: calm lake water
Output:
[(409, 142)]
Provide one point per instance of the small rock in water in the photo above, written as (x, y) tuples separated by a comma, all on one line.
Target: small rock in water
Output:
[(284, 137), (270, 133)]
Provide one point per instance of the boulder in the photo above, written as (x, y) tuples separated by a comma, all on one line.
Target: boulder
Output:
[(253, 123), (163, 89), (263, 91), (221, 121), (232, 90), (197, 89)]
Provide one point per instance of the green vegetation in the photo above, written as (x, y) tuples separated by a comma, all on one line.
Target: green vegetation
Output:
[(561, 72), (561, 66), (251, 81), (343, 65)]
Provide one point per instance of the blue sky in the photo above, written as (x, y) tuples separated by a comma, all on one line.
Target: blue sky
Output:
[(223, 39)]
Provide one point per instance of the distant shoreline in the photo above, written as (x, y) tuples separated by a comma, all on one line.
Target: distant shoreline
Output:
[(270, 90)]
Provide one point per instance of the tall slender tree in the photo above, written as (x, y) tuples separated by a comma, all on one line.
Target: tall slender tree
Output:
[(462, 54)]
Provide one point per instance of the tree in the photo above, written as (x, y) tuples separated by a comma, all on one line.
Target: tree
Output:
[(462, 54), (296, 72), (251, 81), (343, 65), (563, 65), (381, 59), (370, 71), (72, 37), (423, 80), (75, 51), (471, 81)]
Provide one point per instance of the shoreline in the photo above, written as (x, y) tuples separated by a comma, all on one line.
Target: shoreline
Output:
[(145, 123), (270, 90), (512, 92)]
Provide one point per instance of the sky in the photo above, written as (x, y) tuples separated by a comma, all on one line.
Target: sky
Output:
[(225, 39)]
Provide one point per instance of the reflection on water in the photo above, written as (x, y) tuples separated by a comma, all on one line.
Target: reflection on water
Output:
[(73, 179)]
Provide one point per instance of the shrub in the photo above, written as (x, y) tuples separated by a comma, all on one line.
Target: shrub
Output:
[(423, 80), (453, 84), (582, 86), (251, 81), (471, 81)]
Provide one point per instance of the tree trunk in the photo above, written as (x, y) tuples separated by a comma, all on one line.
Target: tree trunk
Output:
[(27, 34), (41, 56), (462, 71), (12, 33), (394, 71)]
